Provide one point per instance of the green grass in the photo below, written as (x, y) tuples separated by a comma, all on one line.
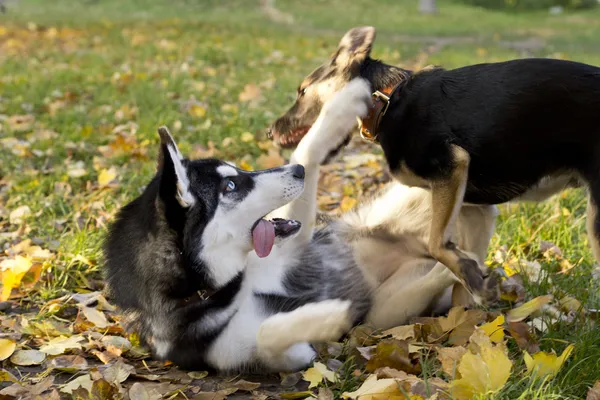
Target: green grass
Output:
[(159, 57)]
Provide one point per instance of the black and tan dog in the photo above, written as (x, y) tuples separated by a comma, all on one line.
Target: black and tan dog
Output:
[(482, 134)]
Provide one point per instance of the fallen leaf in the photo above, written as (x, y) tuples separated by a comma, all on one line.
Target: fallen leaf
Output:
[(106, 176), (394, 354), (521, 332), (60, 344), (250, 92), (375, 389), (546, 364), (28, 357), (118, 372), (70, 364), (271, 160), (20, 123), (118, 342), (13, 271), (19, 214), (525, 310), (450, 358), (7, 348), (347, 203), (325, 394), (77, 169), (247, 137), (197, 110), (95, 316), (401, 332), (494, 329), (484, 372), (139, 392), (84, 381), (246, 385), (198, 374), (461, 324), (6, 376), (594, 392)]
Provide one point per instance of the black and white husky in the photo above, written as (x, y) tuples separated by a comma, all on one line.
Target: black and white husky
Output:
[(209, 281)]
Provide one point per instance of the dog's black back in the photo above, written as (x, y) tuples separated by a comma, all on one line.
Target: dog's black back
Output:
[(519, 120)]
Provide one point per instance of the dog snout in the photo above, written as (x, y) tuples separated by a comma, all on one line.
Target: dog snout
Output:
[(298, 171)]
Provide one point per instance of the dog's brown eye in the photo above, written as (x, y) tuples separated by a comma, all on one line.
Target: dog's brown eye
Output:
[(302, 92)]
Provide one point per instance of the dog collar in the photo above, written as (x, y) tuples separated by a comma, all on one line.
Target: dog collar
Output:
[(369, 126)]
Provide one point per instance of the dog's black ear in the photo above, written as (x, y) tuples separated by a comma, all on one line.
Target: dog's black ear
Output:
[(174, 181), (354, 48)]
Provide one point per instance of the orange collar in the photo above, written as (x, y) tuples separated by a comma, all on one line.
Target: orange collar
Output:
[(381, 101)]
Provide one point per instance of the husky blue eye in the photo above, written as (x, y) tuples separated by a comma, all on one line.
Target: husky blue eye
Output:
[(230, 187)]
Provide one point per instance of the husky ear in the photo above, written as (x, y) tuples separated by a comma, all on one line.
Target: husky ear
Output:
[(354, 48), (173, 173)]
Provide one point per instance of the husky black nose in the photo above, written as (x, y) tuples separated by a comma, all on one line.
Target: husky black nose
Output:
[(298, 171)]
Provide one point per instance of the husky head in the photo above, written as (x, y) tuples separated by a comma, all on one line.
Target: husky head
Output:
[(217, 210), (321, 84)]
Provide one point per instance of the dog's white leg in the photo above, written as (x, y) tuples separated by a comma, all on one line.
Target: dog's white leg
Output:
[(314, 322), (337, 119), (395, 302)]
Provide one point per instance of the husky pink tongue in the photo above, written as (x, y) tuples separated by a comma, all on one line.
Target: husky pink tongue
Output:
[(263, 238)]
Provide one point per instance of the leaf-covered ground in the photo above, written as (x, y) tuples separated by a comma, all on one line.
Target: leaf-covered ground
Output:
[(85, 84)]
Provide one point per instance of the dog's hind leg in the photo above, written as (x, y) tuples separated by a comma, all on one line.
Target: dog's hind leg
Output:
[(447, 197), (395, 302), (593, 219)]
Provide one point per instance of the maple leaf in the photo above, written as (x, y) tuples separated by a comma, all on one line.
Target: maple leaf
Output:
[(60, 344), (486, 371), (543, 364), (317, 373), (374, 389), (106, 176)]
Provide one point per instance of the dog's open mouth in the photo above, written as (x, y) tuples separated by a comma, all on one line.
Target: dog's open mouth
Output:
[(293, 138), (264, 233)]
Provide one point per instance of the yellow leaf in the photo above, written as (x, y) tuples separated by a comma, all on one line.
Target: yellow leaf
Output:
[(196, 110), (106, 176), (13, 270), (484, 372), (525, 310), (374, 389), (546, 364), (328, 374), (450, 357), (347, 204), (271, 160), (7, 347), (401, 332), (247, 137), (251, 92), (313, 376), (245, 166), (95, 316), (60, 344), (494, 329)]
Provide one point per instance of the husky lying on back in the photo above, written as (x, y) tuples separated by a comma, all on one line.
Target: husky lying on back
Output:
[(209, 282)]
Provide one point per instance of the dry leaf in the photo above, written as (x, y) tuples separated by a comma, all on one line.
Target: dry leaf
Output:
[(494, 329), (197, 110), (521, 332), (7, 348), (401, 332), (60, 344), (84, 381), (13, 271), (546, 364), (450, 358), (247, 137), (525, 310), (70, 364), (106, 176), (484, 372), (317, 373), (250, 92), (19, 214), (28, 357), (139, 392), (77, 169), (95, 316), (375, 389), (594, 392), (271, 160), (118, 372)]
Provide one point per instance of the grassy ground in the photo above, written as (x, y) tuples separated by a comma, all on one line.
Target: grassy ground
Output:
[(92, 80)]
